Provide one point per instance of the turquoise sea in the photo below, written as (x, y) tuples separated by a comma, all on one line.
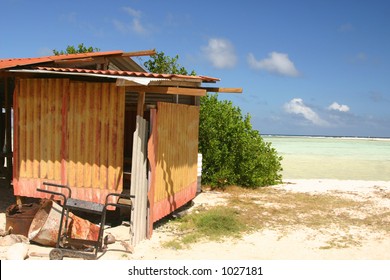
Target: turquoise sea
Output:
[(344, 158)]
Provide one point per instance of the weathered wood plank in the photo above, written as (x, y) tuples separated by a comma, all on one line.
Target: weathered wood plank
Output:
[(141, 104), (50, 129), (57, 132), (104, 119), (36, 128), (95, 133), (43, 131), (71, 137), (29, 128), (16, 151), (140, 53), (64, 133), (167, 90), (20, 144), (120, 135), (80, 90), (223, 90), (88, 138), (111, 140)]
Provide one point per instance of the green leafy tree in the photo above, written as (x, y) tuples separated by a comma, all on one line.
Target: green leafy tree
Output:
[(233, 152), (80, 49), (161, 63)]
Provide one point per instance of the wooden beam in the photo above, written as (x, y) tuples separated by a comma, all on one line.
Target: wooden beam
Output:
[(141, 104), (140, 53), (74, 60), (190, 84), (183, 79), (79, 62), (167, 90), (224, 90)]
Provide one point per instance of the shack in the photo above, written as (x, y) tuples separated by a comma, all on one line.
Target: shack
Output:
[(100, 123)]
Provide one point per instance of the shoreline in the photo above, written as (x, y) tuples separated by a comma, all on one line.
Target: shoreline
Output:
[(324, 185), (326, 137)]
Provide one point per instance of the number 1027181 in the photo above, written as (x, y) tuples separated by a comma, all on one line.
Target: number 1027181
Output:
[(241, 270)]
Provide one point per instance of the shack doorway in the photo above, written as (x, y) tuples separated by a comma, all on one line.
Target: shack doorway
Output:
[(6, 130)]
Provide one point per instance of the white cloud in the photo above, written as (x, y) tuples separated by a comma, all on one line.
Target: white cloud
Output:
[(138, 27), (135, 25), (338, 107), (221, 53), (298, 107), (278, 63), (132, 12)]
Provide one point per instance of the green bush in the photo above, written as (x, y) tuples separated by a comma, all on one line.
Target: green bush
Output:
[(233, 152)]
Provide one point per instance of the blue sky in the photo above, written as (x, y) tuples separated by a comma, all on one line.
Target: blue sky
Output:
[(306, 67)]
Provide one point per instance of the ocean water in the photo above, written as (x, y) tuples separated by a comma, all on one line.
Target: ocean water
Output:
[(333, 157)]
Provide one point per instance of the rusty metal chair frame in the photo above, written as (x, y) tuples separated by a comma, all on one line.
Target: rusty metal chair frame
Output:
[(64, 242)]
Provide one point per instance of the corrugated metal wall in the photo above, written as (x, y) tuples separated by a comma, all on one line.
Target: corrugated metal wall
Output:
[(139, 181), (175, 179), (38, 128), (95, 135), (71, 133)]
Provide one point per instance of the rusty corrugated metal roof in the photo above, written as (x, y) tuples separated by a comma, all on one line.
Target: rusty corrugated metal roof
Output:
[(117, 57), (128, 73), (15, 62)]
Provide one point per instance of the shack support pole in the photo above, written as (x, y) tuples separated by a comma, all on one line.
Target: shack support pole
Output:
[(141, 104)]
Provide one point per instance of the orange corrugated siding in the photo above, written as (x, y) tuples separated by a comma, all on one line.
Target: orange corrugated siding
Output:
[(175, 162), (39, 127), (71, 133)]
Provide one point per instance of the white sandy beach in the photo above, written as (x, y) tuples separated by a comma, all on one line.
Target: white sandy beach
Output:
[(298, 243)]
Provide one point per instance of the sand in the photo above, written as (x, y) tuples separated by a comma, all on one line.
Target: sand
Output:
[(297, 243)]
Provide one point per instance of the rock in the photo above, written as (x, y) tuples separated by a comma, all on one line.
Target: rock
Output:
[(109, 239), (17, 251), (3, 232), (11, 239)]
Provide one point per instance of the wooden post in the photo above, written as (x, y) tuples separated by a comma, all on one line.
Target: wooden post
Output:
[(8, 131), (141, 104)]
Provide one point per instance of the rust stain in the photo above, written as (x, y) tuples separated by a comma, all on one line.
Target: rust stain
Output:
[(83, 229), (71, 133)]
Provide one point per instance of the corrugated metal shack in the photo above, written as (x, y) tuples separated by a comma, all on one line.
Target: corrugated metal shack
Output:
[(99, 123)]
